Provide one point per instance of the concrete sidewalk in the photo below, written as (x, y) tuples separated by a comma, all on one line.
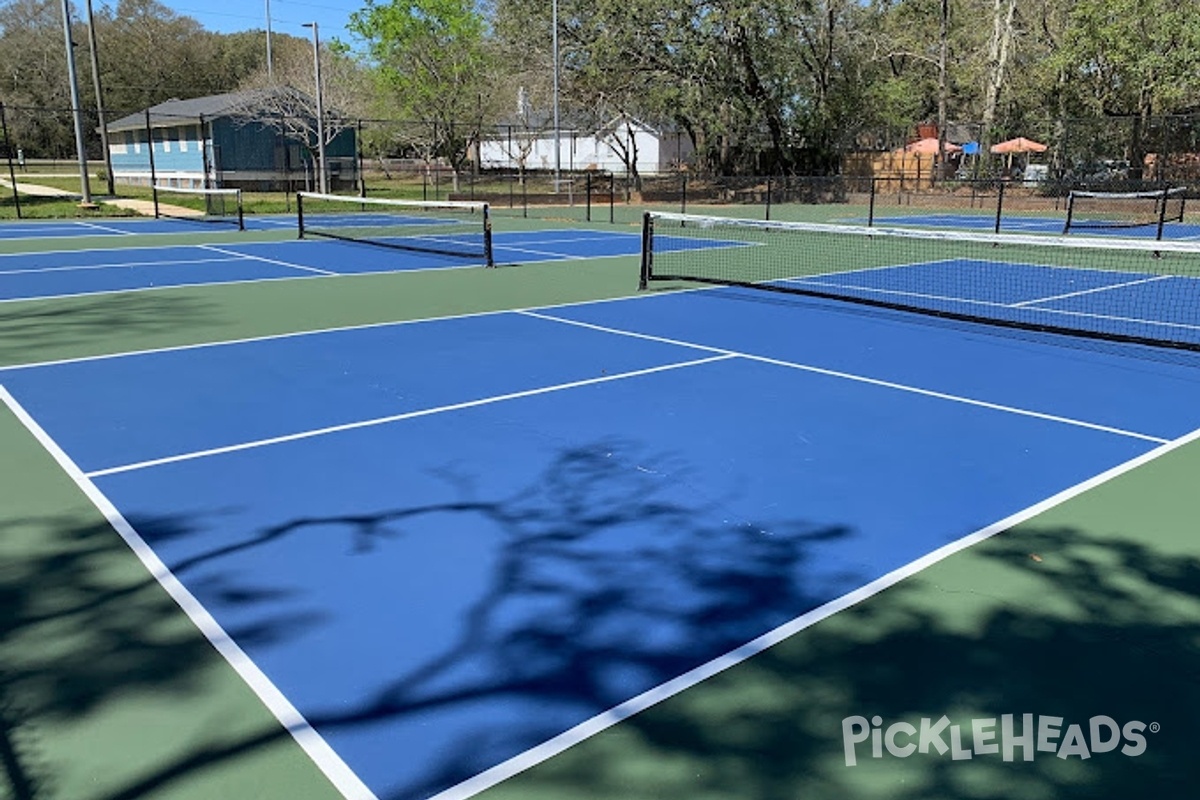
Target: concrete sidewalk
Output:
[(143, 207)]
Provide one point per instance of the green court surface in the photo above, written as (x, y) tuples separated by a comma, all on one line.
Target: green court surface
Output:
[(108, 692)]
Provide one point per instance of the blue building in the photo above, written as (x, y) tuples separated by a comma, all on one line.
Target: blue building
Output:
[(254, 140)]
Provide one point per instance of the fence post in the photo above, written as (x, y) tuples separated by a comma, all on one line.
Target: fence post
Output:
[(12, 174), (203, 155), (362, 172), (612, 199), (999, 206)]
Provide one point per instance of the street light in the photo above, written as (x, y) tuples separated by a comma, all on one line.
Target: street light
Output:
[(322, 181), (270, 68), (99, 99), (80, 149), (557, 133)]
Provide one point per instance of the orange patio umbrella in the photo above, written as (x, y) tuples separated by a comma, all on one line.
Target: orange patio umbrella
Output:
[(929, 147), (1019, 145)]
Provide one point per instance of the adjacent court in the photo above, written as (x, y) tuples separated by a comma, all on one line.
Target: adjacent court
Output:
[(444, 552), (984, 221), (81, 272), (126, 226)]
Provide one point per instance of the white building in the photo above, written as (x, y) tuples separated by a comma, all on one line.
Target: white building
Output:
[(616, 147)]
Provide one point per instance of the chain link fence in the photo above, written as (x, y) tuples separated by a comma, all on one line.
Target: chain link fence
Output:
[(529, 171)]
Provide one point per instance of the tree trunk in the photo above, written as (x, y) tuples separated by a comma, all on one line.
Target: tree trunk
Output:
[(943, 56), (1003, 13)]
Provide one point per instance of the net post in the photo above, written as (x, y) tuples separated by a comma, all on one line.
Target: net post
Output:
[(241, 214), (488, 257), (12, 175), (300, 215), (588, 192), (999, 206), (1070, 211), (362, 173), (647, 251), (1162, 214), (768, 210), (683, 193), (871, 204), (153, 172)]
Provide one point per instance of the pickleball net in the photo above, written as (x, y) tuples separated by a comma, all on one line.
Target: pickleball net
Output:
[(1087, 210), (460, 230), (222, 206), (1118, 289)]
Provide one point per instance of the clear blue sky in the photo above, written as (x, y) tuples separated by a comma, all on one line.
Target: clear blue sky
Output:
[(228, 16)]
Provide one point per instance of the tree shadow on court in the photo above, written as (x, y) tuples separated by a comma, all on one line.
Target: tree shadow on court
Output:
[(39, 330), (1086, 625)]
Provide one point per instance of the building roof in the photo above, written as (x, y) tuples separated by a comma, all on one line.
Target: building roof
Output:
[(185, 112)]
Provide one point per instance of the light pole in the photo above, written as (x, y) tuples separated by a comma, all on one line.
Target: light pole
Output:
[(85, 189), (322, 181), (99, 99), (557, 134), (270, 68)]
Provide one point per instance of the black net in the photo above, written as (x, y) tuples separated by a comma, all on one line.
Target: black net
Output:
[(1119, 289), (455, 229), (1094, 210), (200, 205)]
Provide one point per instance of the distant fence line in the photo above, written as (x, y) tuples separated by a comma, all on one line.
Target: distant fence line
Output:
[(1162, 148)]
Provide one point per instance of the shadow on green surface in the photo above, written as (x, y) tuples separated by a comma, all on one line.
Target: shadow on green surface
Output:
[(1101, 626), (30, 328)]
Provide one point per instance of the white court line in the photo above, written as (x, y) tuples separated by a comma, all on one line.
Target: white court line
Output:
[(895, 292), (104, 228), (265, 260), (313, 744), (1094, 290), (856, 378), (116, 265), (39, 228), (549, 254), (1062, 312), (607, 719), (204, 284), (424, 412), (269, 337), (120, 249)]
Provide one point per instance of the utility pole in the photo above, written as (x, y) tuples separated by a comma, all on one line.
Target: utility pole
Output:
[(557, 130), (80, 148), (270, 68), (322, 180)]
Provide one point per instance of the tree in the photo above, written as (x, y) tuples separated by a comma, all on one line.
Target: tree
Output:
[(1133, 58), (274, 101), (434, 63)]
